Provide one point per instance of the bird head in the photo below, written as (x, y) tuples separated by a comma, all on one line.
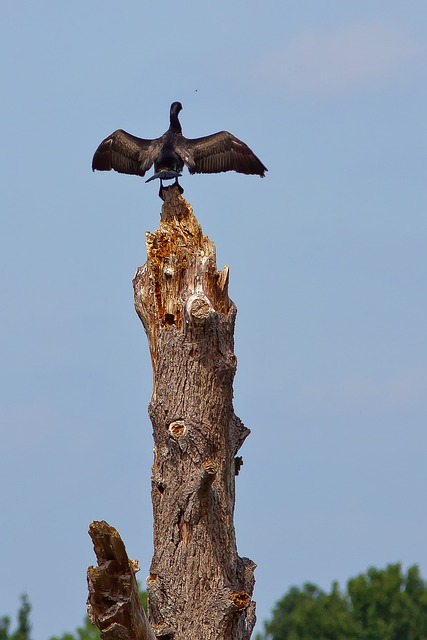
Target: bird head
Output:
[(176, 107)]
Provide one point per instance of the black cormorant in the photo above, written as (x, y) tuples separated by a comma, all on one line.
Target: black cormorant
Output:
[(218, 152)]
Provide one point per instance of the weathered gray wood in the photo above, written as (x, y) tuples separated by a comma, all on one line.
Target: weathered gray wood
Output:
[(198, 587)]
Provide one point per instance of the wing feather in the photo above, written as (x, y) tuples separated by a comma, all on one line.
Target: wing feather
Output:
[(221, 152), (124, 153)]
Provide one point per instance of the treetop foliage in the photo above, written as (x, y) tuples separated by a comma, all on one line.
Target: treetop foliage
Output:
[(23, 627), (381, 604), (88, 631)]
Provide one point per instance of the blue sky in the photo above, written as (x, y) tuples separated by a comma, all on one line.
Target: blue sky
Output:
[(328, 267)]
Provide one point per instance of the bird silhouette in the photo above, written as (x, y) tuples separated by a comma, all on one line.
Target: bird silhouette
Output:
[(216, 153)]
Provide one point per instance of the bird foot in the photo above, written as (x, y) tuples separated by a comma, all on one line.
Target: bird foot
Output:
[(176, 184), (171, 186)]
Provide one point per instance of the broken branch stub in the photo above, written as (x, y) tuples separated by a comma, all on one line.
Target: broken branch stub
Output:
[(113, 603)]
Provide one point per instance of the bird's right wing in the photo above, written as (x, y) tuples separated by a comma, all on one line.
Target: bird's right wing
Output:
[(221, 152), (124, 153)]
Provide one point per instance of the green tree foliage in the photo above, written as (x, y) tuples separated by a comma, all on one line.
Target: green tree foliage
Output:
[(382, 604), (311, 614), (4, 627), (390, 605), (23, 627), (88, 631)]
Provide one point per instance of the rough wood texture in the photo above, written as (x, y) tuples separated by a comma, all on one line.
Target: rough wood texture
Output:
[(198, 587), (113, 603)]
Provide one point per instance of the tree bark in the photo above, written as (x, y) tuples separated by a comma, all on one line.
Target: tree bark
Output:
[(113, 603), (198, 587)]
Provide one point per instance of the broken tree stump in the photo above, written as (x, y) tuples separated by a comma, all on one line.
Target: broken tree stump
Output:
[(198, 587)]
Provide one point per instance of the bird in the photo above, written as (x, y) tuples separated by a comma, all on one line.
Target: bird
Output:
[(222, 151)]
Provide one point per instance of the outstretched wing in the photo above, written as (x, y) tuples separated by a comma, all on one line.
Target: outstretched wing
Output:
[(124, 153), (221, 152)]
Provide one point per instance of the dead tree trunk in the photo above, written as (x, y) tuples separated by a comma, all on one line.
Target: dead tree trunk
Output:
[(198, 587)]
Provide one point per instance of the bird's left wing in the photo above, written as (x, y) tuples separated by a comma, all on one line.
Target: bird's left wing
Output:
[(221, 152), (124, 153)]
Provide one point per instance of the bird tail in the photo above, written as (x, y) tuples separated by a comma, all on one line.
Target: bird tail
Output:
[(165, 174)]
